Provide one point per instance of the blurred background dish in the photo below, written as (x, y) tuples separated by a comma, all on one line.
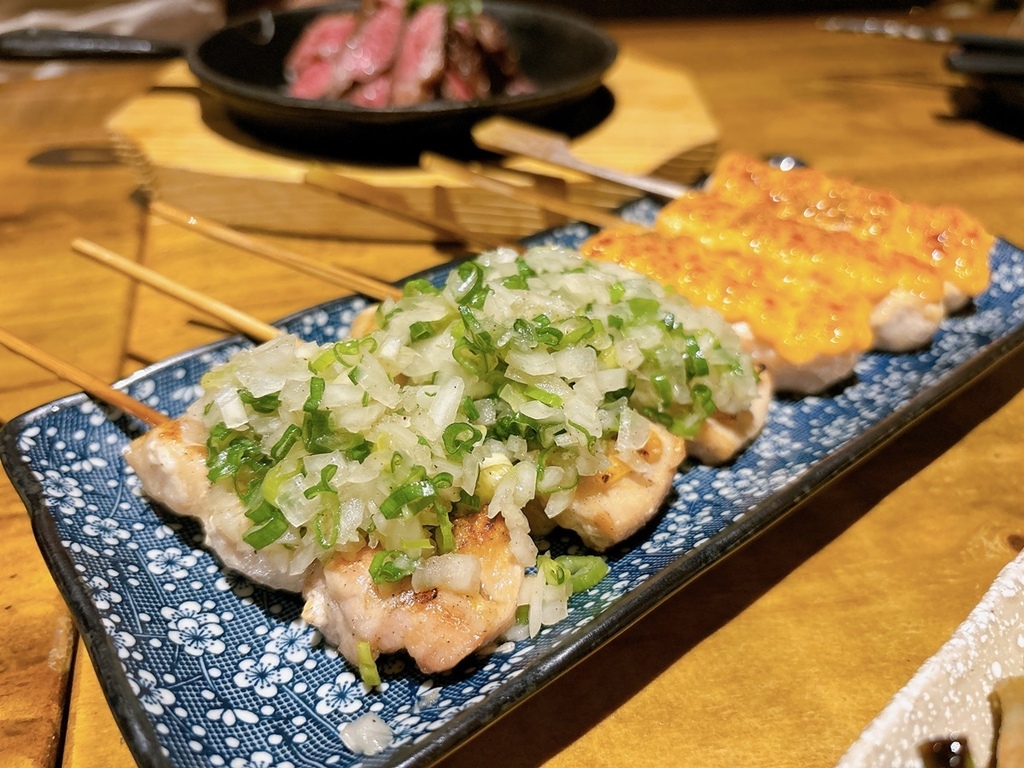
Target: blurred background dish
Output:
[(242, 65)]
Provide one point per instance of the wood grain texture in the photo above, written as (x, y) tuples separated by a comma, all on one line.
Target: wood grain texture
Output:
[(58, 302), (780, 654), (185, 150)]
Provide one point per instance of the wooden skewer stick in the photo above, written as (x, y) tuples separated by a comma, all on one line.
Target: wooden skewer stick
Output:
[(89, 383), (345, 278), (392, 204), (250, 326), (510, 137), (576, 211)]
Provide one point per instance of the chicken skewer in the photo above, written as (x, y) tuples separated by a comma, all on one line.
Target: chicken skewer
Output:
[(172, 462), (760, 269)]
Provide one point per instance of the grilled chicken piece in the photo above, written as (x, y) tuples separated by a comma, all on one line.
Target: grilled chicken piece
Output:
[(723, 435), (437, 627), (170, 461), (611, 506)]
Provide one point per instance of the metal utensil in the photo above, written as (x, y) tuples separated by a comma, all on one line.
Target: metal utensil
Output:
[(81, 44)]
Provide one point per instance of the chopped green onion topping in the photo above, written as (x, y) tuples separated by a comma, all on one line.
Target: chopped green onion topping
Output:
[(391, 565), (327, 523), (406, 494), (419, 287), (554, 572), (543, 396), (324, 486), (585, 570), (695, 362), (289, 437), (269, 525), (459, 438), (642, 307), (444, 535), (263, 404), (421, 330), (664, 388), (367, 665), (516, 283), (470, 289), (316, 393)]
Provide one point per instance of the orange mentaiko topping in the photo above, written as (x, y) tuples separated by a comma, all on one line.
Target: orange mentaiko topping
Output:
[(798, 315), (953, 243), (800, 258)]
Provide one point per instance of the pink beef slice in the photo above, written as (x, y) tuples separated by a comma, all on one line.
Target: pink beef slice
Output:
[(313, 82), (372, 49), (465, 77), (421, 58), (375, 94), (321, 40)]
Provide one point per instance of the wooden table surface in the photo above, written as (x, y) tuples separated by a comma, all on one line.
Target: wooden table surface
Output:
[(779, 655)]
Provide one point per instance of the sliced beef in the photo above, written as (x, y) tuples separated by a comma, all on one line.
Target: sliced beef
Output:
[(465, 77), (427, 56), (375, 94), (372, 49), (322, 40), (314, 82), (421, 59)]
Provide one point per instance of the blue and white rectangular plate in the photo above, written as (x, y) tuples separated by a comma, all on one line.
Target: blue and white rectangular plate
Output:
[(202, 668)]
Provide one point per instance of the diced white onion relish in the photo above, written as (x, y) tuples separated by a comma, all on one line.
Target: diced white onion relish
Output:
[(444, 402), (368, 734)]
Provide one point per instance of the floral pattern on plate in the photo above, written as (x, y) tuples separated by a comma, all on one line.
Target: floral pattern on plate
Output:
[(202, 668)]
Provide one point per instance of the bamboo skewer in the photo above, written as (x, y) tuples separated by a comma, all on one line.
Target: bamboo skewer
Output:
[(576, 211), (340, 276), (385, 201), (509, 137), (250, 326), (89, 383)]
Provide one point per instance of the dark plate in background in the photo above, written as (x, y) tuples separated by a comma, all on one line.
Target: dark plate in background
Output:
[(242, 66)]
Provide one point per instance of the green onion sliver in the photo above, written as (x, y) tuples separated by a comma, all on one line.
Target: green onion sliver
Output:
[(443, 534), (543, 396), (391, 565), (585, 570), (284, 444), (406, 494), (459, 438), (263, 404), (269, 525), (316, 392), (554, 572), (367, 665), (419, 287)]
